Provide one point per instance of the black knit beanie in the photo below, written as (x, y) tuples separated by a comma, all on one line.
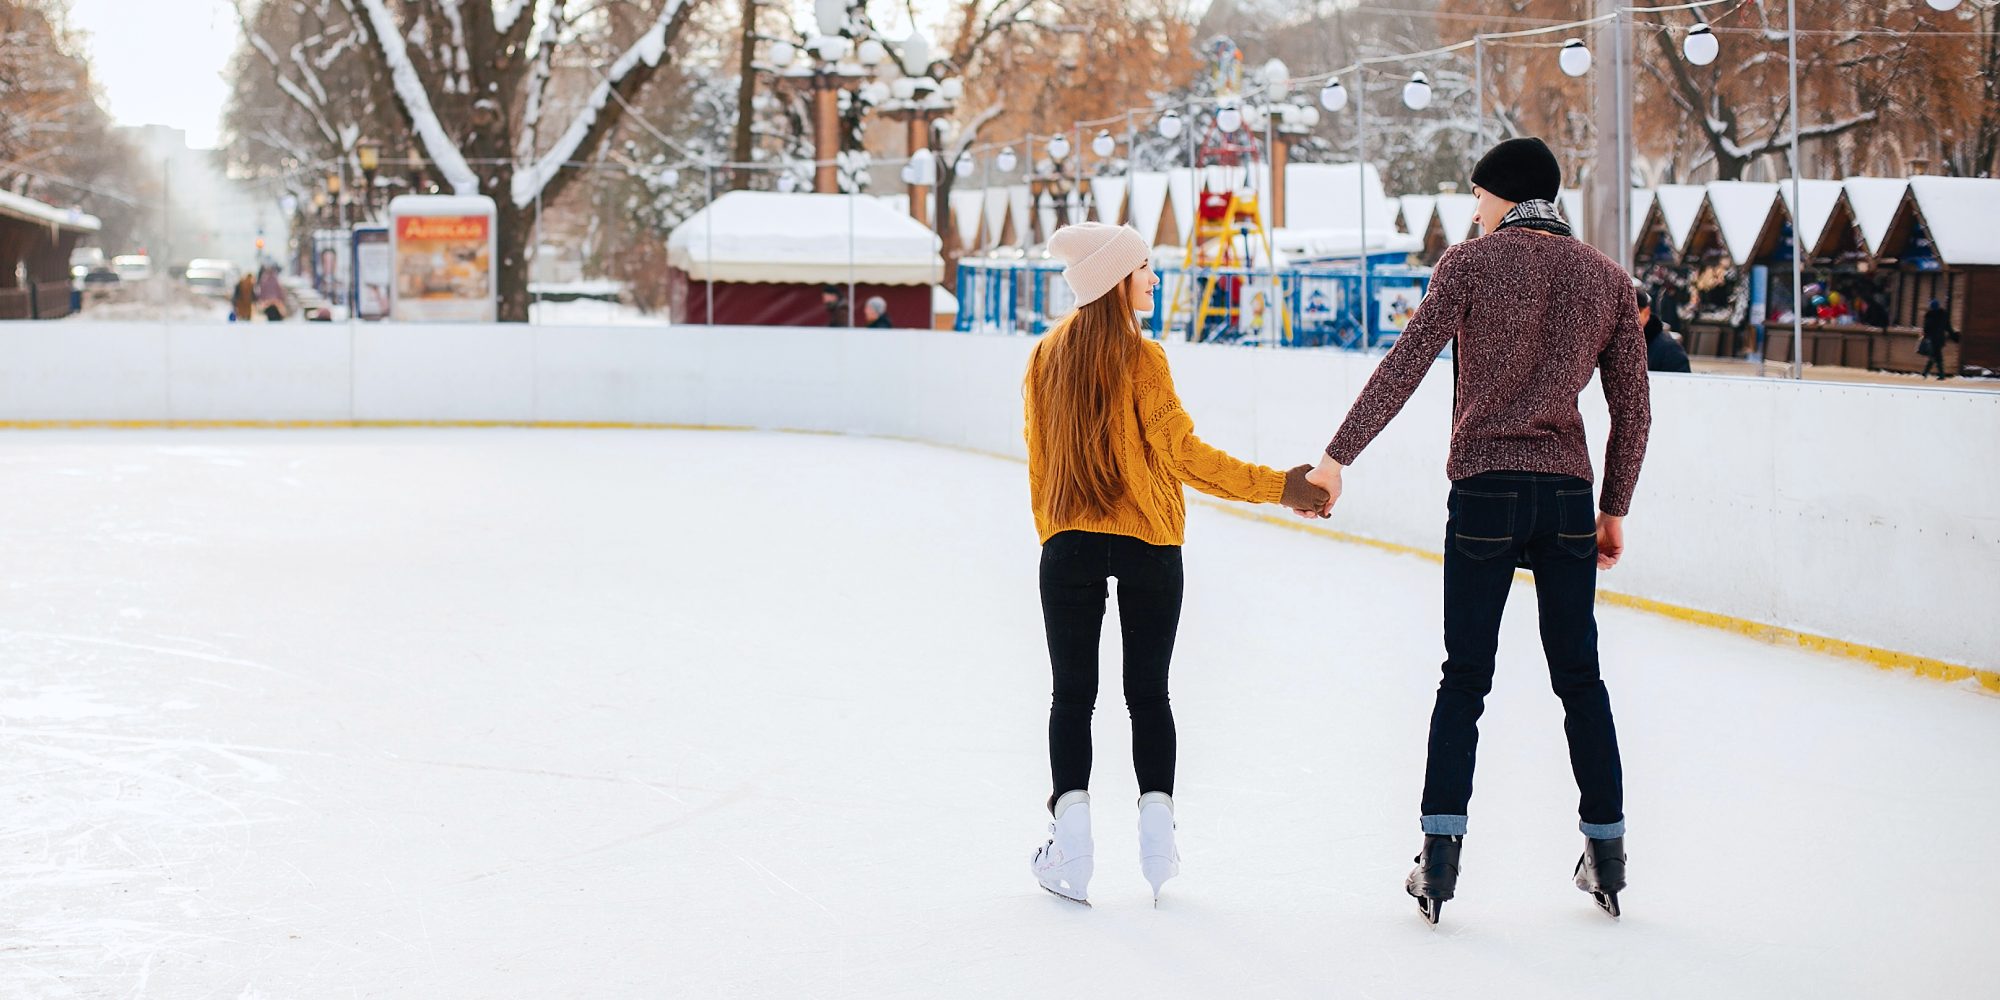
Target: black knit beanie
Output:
[(1520, 170)]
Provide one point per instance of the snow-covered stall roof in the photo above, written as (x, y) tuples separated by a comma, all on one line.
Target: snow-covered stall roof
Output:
[(1963, 215), (1809, 222), (1181, 191), (965, 209), (1455, 212), (1741, 210), (1643, 200), (1570, 200), (793, 238), (1416, 210), (1874, 201), (1145, 202), (1021, 210), (1680, 204), (1293, 245), (1109, 195), (29, 210), (994, 215), (1329, 196)]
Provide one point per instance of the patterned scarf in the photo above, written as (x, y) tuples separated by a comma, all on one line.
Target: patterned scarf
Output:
[(1541, 215)]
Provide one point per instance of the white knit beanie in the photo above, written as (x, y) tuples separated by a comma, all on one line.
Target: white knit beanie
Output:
[(1096, 257)]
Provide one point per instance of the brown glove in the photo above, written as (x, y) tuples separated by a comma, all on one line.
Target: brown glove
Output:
[(1302, 495)]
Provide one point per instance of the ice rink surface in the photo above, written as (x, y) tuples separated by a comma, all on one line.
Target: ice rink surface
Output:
[(539, 714)]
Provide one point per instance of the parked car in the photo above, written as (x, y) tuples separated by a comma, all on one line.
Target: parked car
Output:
[(101, 279), (211, 277), (133, 266)]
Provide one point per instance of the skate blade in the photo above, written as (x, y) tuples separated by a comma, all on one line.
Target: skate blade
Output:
[(1073, 899), (1430, 908), (1606, 901)]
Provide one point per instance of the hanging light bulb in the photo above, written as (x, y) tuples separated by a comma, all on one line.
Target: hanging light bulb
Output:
[(1575, 58), (1700, 46), (1104, 144), (966, 165), (1277, 77), (1170, 125), (923, 168), (872, 52), (782, 53), (1228, 119), (1058, 147), (1333, 96), (1308, 116), (1006, 161), (1943, 4), (1417, 93)]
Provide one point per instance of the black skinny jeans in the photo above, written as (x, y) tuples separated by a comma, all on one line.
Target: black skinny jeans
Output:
[(1075, 565), (1500, 520)]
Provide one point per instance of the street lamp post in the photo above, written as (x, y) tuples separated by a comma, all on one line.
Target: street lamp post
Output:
[(370, 155)]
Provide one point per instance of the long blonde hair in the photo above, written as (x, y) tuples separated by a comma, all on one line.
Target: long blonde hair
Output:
[(1080, 379)]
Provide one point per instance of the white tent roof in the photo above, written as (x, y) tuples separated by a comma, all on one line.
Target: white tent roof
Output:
[(1642, 206), (29, 210), (1963, 214), (1109, 193), (1147, 199), (1681, 204), (1329, 196), (1810, 222), (1874, 200), (1455, 212), (965, 211), (1417, 210), (1570, 200), (1741, 208), (1181, 190), (1020, 207), (791, 238)]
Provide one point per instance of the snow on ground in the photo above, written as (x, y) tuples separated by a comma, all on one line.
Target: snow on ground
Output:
[(592, 312), (458, 714)]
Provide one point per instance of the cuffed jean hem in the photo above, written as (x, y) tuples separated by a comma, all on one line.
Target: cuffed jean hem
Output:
[(1448, 826), (1601, 831)]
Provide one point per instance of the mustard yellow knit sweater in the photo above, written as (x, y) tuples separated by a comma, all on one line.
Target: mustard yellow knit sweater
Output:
[(1158, 452)]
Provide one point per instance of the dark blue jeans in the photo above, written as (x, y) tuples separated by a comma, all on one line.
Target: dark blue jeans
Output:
[(1548, 523), (1075, 567)]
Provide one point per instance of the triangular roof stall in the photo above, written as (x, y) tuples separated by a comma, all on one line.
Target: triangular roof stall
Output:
[(1643, 206), (1020, 215), (1452, 221), (1946, 222), (1652, 239), (1811, 219), (1181, 198), (1414, 212), (1107, 200), (966, 208), (993, 231), (1680, 205), (1739, 221), (1146, 208), (1860, 218)]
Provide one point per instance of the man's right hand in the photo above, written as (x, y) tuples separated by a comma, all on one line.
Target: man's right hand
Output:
[(1610, 540), (1327, 477)]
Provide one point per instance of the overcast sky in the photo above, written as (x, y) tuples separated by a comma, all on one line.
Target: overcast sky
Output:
[(160, 62)]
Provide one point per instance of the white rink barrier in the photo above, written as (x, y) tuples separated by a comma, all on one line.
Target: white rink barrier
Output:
[(1845, 514)]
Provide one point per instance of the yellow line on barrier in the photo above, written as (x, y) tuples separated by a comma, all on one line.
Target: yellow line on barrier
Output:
[(1885, 659)]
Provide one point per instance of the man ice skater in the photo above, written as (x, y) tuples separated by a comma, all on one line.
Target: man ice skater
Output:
[(1530, 313)]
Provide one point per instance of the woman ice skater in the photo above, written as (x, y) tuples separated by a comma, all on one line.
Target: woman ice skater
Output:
[(1109, 448)]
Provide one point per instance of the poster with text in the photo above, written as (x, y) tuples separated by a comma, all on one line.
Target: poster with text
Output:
[(371, 273), (444, 268)]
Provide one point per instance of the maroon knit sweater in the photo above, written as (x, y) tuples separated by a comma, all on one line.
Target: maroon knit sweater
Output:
[(1533, 315)]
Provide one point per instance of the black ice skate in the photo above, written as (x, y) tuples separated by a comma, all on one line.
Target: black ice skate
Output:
[(1601, 871), (1436, 876)]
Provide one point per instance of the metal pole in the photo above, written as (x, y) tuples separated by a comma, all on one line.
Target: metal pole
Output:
[(1362, 308), (1479, 96), (1798, 312), (1622, 65), (853, 192), (708, 239)]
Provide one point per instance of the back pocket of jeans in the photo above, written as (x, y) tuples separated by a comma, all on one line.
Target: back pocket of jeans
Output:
[(1482, 524), (1576, 524)]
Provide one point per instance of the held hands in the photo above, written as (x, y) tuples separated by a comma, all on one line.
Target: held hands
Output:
[(1320, 489), (1610, 540)]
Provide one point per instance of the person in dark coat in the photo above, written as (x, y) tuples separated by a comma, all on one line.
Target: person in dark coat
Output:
[(875, 313), (1663, 352), (1937, 328)]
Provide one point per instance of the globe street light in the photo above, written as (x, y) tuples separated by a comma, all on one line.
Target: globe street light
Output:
[(1058, 147), (1700, 46), (1417, 93), (1333, 97), (1229, 119), (1103, 145), (1006, 161), (1575, 58), (1170, 125)]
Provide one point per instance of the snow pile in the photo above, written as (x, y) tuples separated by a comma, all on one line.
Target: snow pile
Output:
[(1332, 195), (1305, 245), (29, 210), (767, 236), (1963, 214)]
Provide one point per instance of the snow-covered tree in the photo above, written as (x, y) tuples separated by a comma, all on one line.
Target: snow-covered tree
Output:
[(471, 81)]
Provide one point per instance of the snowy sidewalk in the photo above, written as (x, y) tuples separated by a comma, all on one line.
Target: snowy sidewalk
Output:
[(538, 714)]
